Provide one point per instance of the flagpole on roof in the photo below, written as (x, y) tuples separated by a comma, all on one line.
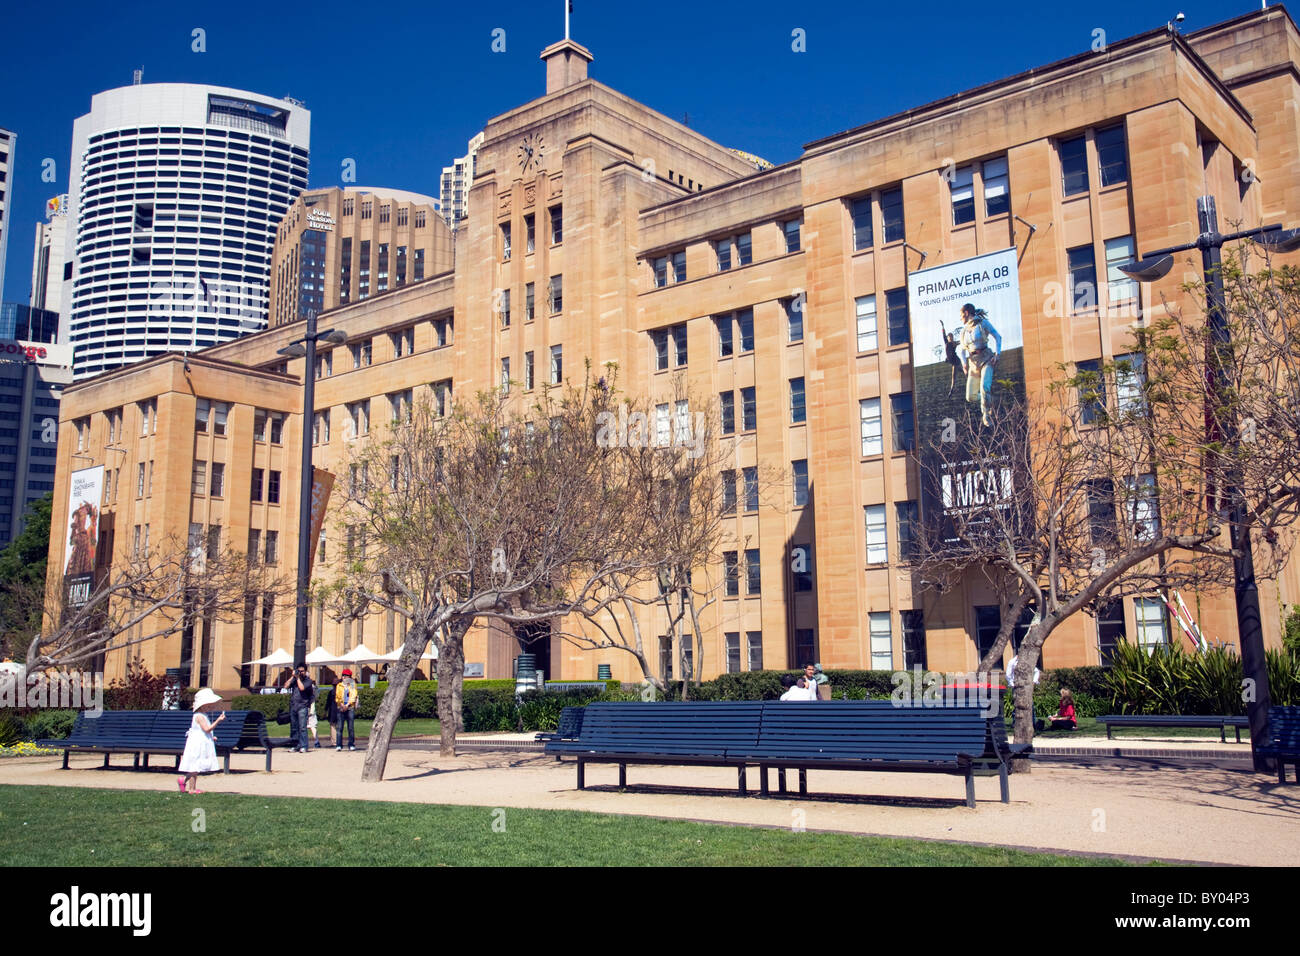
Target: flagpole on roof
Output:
[(568, 8)]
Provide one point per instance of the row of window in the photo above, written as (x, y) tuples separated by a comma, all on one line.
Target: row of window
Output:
[(401, 342), (729, 252), (530, 380), (554, 301), (555, 215), (400, 405)]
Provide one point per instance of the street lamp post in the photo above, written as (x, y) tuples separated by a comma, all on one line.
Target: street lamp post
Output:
[(1155, 265), (305, 347)]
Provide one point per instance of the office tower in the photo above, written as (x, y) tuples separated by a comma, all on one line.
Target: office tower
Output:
[(175, 196), (47, 257), (456, 182), (8, 144)]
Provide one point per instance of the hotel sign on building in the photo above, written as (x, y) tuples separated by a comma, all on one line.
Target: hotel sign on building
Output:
[(320, 219)]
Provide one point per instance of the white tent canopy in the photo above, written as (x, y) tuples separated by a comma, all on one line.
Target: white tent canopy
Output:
[(430, 654), (323, 658), (362, 655), (277, 658)]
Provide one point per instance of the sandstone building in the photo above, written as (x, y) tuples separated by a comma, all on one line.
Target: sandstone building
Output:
[(599, 229)]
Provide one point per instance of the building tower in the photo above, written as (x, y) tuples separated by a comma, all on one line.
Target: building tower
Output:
[(456, 181), (176, 193), (8, 143), (47, 257)]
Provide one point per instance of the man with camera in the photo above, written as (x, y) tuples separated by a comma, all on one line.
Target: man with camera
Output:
[(302, 697)]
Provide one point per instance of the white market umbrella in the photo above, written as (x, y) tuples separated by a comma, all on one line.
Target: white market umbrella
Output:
[(362, 655), (277, 658), (430, 654), (323, 658)]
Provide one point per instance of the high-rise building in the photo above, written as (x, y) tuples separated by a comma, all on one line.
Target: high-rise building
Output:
[(456, 182), (600, 230), (337, 246), (8, 145), (47, 257), (176, 194), (33, 372)]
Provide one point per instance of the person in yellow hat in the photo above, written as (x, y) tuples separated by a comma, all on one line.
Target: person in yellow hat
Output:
[(346, 697)]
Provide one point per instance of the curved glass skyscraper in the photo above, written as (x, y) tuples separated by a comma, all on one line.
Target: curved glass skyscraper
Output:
[(176, 192)]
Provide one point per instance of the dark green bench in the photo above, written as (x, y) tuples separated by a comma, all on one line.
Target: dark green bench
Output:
[(701, 733), (145, 732), (1221, 722), (1284, 740), (570, 726), (879, 736)]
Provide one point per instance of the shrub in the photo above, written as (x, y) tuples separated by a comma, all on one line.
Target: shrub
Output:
[(49, 724), (11, 728), (141, 690), (1291, 632), (1283, 677)]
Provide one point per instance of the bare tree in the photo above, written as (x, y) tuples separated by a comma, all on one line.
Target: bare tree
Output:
[(144, 596)]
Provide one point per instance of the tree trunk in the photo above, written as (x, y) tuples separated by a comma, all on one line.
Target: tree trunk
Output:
[(451, 673), (1022, 694), (399, 682)]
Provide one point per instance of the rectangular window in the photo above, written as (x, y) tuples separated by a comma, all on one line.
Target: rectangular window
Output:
[(729, 492), (530, 234), (528, 371), (255, 485), (751, 488), (805, 646), (666, 657), (399, 407), (1110, 629), (1152, 628), (557, 224), (660, 268), (732, 640), (218, 479), (861, 208), (359, 418), (1142, 509), (900, 329), (419, 264), (403, 340), (362, 353), (682, 420), (867, 339), (528, 302), (505, 242), (441, 396), (505, 308), (1092, 391), (505, 375), (997, 195), (556, 292), (962, 189), (442, 331), (914, 640), (869, 412), (679, 266), (731, 573), (745, 319), (663, 425), (744, 255), (909, 528), (798, 409), (723, 249), (557, 364), (1101, 512), (202, 411), (726, 344), (324, 364), (753, 579), (882, 650), (794, 317), (904, 427), (199, 480), (1083, 278), (727, 404), (659, 341), (277, 428), (1130, 383), (801, 565), (1074, 165), (791, 228), (214, 542), (320, 428), (1111, 156), (800, 471), (254, 546), (754, 641), (1119, 287), (272, 547), (259, 425), (273, 487), (679, 344), (877, 542), (891, 214), (748, 409), (139, 480)]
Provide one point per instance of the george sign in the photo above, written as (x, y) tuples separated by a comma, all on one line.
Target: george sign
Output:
[(322, 483), (968, 369), (85, 491), (42, 353)]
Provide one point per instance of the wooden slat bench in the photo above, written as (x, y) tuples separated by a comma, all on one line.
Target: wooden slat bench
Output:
[(570, 726), (1221, 723), (879, 736), (1284, 737), (145, 732), (701, 733)]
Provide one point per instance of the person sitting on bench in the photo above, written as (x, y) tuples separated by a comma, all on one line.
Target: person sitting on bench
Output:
[(1064, 718)]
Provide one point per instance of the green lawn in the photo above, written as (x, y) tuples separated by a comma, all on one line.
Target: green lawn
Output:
[(66, 826), (415, 727)]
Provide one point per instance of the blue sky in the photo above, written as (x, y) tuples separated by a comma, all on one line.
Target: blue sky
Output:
[(428, 80)]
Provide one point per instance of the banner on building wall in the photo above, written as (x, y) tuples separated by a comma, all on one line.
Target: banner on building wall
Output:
[(85, 492), (968, 376), (322, 483)]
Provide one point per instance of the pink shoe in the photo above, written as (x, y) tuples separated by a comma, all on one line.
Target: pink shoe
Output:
[(196, 790), (180, 782)]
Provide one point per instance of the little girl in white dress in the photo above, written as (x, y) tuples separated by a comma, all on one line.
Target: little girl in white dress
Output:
[(200, 754)]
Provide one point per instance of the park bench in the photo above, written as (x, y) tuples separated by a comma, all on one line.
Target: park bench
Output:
[(1221, 722), (696, 732), (145, 732), (570, 726), (880, 736), (1284, 736)]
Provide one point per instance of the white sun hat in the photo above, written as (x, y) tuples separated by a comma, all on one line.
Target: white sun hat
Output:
[(205, 696)]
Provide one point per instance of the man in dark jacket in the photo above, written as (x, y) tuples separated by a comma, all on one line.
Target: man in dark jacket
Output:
[(302, 697)]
